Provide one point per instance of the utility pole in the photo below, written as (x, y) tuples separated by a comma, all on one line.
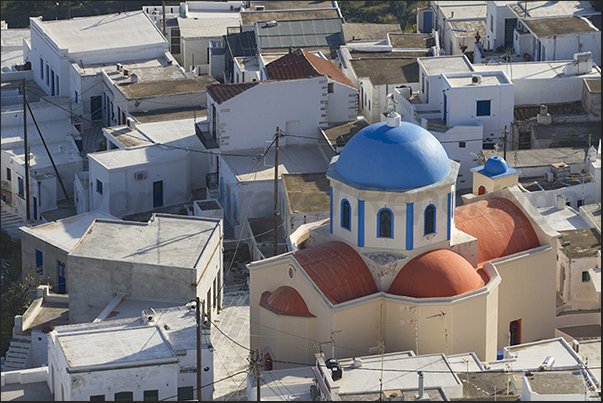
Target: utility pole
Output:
[(68, 10), (258, 362), (505, 144), (163, 17), (26, 145), (199, 347), (278, 133), (48, 152), (123, 6)]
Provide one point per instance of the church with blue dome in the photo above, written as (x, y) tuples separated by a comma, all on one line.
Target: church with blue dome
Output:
[(398, 262)]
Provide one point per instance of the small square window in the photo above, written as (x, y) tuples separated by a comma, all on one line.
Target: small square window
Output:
[(97, 398), (151, 395), (21, 187), (483, 108), (99, 187), (39, 262), (124, 396), (185, 393), (585, 276), (462, 144), (330, 88)]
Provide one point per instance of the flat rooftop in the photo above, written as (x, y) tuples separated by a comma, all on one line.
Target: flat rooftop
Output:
[(592, 213), (52, 130), (411, 41), (590, 352), (387, 70), (105, 32), (399, 372), (167, 87), (467, 10), (530, 356), (33, 392), (115, 347), (574, 134), (566, 219), (65, 233), (487, 80), (167, 240), (539, 157), (291, 5), (582, 243), (293, 159), (545, 27), (340, 134), (356, 31), (435, 66), (162, 115), (307, 193), (287, 384), (535, 70), (300, 33), (547, 9), (557, 383), (297, 13), (179, 133), (208, 24), (142, 155), (468, 28), (12, 39)]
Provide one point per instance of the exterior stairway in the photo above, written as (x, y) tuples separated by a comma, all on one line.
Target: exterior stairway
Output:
[(11, 223), (16, 356)]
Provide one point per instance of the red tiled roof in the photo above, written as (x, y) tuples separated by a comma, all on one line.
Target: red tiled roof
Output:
[(223, 92), (337, 270), (301, 64), (437, 273), (285, 300), (500, 227)]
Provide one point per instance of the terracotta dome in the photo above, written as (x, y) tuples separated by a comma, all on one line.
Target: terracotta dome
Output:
[(285, 300), (337, 270), (437, 273), (500, 227)]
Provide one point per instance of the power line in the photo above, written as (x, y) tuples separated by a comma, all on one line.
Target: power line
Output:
[(209, 384)]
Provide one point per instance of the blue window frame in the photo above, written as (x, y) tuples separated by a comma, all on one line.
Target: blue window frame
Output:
[(39, 262), (483, 108), (384, 223), (99, 187), (346, 214), (430, 219), (21, 187)]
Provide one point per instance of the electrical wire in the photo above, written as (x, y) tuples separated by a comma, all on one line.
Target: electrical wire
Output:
[(209, 384)]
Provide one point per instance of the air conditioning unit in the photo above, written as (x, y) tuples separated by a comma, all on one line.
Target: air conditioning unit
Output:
[(549, 176), (476, 79), (271, 23), (260, 8), (131, 123), (140, 175)]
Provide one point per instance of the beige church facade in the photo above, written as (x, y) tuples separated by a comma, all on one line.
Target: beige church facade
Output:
[(399, 263)]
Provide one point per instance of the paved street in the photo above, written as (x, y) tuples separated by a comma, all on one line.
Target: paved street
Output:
[(229, 358)]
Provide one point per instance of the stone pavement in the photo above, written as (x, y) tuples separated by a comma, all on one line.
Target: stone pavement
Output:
[(230, 358)]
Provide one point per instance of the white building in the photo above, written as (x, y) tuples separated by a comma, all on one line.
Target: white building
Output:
[(137, 179), (61, 50), (44, 247), (154, 358), (46, 186), (146, 261)]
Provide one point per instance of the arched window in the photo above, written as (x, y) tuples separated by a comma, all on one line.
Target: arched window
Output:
[(384, 223), (430, 219), (346, 214)]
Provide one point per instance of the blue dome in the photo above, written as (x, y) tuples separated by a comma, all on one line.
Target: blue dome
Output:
[(495, 166), (399, 157)]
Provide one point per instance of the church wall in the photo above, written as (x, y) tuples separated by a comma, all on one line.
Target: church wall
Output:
[(440, 201), (527, 292), (351, 235), (361, 326), (492, 185)]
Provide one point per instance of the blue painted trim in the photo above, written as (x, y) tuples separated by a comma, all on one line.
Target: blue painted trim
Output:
[(344, 202), (391, 232), (409, 225), (449, 214), (331, 211), (361, 223), (435, 213)]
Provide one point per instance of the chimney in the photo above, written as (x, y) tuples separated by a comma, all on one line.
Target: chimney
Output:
[(420, 395), (133, 78)]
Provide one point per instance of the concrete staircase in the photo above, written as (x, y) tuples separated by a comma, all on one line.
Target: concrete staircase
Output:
[(228, 230), (11, 223), (16, 356)]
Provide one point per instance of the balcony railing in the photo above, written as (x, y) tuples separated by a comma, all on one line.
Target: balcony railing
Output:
[(202, 130)]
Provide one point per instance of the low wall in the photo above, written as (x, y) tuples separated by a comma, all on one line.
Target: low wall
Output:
[(32, 375)]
